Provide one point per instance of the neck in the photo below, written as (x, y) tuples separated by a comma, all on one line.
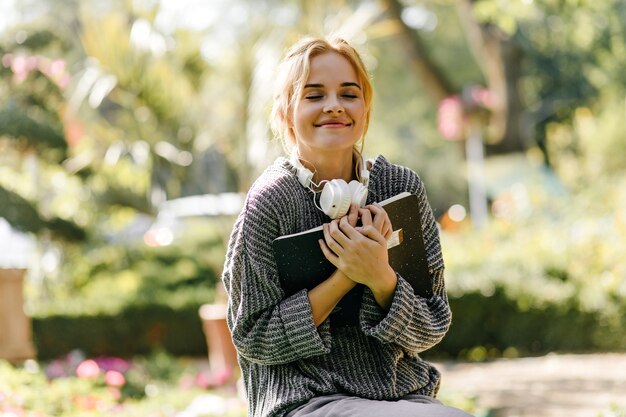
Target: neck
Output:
[(329, 167)]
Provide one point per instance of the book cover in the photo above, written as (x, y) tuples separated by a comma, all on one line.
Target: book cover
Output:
[(301, 262)]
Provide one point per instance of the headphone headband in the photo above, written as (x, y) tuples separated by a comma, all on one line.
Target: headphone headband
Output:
[(337, 195), (305, 176)]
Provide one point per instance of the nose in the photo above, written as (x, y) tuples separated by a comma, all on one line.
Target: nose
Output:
[(333, 105)]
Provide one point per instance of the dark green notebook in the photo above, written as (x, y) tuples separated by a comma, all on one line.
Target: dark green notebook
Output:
[(301, 262)]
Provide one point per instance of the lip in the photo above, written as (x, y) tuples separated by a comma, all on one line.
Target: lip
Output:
[(333, 123)]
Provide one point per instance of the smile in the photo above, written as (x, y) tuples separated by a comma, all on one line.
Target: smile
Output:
[(333, 124)]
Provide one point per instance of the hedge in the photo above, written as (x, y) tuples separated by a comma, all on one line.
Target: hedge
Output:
[(494, 325), (483, 326), (136, 330)]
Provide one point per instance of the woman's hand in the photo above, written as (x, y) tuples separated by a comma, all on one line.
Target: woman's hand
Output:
[(380, 221), (361, 255), (353, 215)]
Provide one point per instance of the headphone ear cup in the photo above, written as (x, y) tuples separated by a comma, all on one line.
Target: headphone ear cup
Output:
[(358, 193), (335, 199)]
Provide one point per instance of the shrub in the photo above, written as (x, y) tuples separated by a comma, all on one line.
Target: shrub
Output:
[(135, 330), (130, 298), (550, 280)]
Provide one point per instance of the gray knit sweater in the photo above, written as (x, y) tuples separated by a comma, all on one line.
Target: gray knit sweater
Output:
[(285, 360)]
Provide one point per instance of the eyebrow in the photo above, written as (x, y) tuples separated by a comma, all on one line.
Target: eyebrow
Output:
[(346, 84)]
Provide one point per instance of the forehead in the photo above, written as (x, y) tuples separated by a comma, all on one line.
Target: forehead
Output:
[(331, 66)]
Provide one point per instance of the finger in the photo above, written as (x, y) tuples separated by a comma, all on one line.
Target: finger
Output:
[(373, 233), (366, 216), (374, 208), (381, 220), (353, 215), (380, 215), (387, 231), (387, 219), (329, 254), (338, 232), (330, 241), (351, 233)]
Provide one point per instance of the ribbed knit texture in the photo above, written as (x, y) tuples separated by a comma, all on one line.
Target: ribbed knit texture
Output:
[(285, 360)]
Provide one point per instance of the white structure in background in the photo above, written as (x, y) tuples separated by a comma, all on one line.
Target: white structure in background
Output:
[(476, 175), (161, 233), (16, 249), (225, 204)]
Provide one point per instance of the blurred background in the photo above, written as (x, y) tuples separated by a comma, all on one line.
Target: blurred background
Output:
[(130, 131)]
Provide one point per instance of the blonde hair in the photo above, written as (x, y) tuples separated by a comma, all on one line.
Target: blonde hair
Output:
[(293, 73)]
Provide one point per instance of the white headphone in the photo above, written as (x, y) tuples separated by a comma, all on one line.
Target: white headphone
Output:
[(337, 195)]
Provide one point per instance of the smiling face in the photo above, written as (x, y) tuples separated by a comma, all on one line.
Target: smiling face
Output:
[(329, 115)]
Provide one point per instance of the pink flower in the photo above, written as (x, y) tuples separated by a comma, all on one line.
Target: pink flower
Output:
[(208, 379), (114, 379), (55, 369), (450, 118), (483, 97), (13, 411), (113, 364), (56, 67), (88, 369), (7, 59), (203, 380), (115, 393), (22, 66)]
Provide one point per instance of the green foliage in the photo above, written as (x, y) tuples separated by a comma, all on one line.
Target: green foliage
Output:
[(498, 325), (25, 216), (146, 297), (108, 279), (19, 211), (552, 280), (616, 411), (96, 127), (17, 124), (588, 151), (154, 385)]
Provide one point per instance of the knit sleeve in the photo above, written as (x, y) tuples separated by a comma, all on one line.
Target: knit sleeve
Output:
[(413, 322), (266, 327)]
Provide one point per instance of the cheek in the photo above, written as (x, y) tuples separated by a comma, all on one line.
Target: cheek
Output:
[(358, 113), (305, 115)]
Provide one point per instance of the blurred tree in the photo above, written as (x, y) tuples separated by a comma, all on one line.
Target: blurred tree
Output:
[(31, 129), (133, 108), (148, 92), (530, 55), (100, 116), (496, 54), (575, 54)]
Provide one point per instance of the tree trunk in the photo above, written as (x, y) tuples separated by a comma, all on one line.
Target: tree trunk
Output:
[(500, 60), (429, 74)]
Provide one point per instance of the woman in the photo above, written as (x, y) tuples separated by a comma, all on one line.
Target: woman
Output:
[(294, 361)]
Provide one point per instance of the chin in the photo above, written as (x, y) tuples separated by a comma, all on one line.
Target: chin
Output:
[(337, 147)]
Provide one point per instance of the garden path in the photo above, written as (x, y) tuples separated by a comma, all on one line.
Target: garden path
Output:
[(548, 386)]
